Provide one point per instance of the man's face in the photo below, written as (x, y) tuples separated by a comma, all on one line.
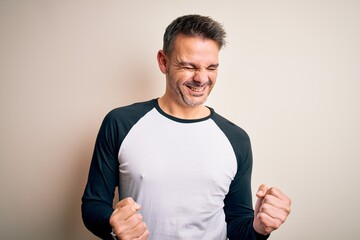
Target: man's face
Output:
[(191, 70)]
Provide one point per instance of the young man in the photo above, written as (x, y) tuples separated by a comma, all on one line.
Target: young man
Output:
[(183, 171)]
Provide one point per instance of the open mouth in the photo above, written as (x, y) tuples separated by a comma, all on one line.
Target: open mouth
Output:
[(196, 89)]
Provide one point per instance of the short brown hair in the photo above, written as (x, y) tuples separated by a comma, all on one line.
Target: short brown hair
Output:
[(193, 25)]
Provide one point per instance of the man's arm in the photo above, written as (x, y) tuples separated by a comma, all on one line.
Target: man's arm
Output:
[(238, 202), (272, 207), (97, 201), (103, 178), (239, 213)]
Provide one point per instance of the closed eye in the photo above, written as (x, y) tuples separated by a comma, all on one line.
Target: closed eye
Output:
[(213, 67), (187, 66), (192, 67)]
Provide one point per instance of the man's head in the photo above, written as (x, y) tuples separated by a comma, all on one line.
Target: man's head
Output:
[(193, 26), (189, 60)]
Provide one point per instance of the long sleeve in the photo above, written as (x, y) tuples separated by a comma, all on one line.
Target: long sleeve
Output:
[(97, 200), (103, 178), (239, 213), (238, 202)]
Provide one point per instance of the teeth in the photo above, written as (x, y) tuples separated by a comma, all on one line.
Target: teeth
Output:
[(196, 89)]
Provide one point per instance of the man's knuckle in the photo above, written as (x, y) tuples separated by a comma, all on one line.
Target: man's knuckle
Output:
[(262, 217), (264, 207), (284, 217), (277, 224), (128, 200), (288, 210), (273, 190), (112, 221), (267, 198)]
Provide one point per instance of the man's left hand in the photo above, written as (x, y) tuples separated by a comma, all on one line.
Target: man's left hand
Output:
[(271, 210)]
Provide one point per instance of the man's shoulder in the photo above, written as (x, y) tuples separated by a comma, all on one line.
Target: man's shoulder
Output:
[(226, 123), (228, 126), (128, 115)]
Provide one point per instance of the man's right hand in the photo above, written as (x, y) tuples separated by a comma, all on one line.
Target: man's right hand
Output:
[(126, 222)]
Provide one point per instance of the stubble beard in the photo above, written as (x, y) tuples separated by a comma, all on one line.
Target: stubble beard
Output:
[(199, 99), (187, 100)]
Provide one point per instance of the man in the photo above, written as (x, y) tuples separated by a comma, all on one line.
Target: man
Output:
[(183, 171)]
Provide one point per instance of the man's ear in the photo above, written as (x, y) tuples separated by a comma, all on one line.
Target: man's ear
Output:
[(162, 61)]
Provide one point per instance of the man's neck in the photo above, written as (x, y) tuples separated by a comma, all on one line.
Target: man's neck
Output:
[(183, 112)]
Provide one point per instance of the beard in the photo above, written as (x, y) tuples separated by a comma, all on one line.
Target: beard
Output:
[(191, 98)]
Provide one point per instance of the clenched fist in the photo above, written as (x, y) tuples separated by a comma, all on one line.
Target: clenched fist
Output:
[(271, 210), (126, 222)]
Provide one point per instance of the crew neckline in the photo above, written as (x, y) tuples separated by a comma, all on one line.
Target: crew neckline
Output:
[(181, 120)]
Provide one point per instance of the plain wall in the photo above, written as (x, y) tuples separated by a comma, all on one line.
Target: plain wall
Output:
[(289, 76)]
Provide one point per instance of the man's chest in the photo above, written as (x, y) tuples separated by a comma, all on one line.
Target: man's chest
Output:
[(193, 157)]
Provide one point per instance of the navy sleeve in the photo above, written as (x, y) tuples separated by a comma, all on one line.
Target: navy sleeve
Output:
[(239, 213), (97, 200), (103, 178)]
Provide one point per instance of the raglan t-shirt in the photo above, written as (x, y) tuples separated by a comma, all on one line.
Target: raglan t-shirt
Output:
[(191, 177)]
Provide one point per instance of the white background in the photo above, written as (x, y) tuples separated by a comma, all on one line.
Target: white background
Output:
[(289, 75)]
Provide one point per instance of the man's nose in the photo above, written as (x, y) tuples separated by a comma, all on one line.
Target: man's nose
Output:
[(201, 76)]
